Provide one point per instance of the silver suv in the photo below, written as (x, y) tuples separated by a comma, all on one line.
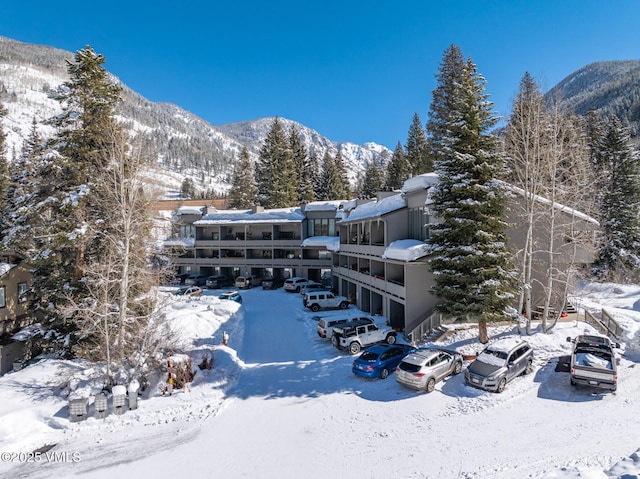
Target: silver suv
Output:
[(499, 363), (424, 368)]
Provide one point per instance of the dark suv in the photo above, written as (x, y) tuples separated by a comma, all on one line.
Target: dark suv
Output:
[(218, 281), (272, 282), (499, 363)]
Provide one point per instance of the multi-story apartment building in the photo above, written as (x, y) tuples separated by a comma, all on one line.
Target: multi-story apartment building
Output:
[(284, 242), (382, 257), (375, 250)]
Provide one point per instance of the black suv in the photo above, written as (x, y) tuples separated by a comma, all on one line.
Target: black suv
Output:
[(218, 281), (272, 282)]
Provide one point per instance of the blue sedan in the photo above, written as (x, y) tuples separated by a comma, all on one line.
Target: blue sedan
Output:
[(379, 360)]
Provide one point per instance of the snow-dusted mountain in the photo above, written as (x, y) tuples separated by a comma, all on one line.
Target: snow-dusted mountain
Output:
[(184, 144)]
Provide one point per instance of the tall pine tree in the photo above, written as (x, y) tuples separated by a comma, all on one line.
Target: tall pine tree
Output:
[(418, 153), (617, 168), (398, 171), (4, 164), (276, 175), (243, 190), (301, 168), (373, 182), (470, 260), (69, 199)]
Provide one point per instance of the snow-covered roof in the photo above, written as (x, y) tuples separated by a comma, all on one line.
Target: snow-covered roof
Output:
[(375, 209), (406, 250), (273, 216), (559, 206), (324, 205), (332, 243), (184, 242), (189, 210), (419, 182), (5, 267)]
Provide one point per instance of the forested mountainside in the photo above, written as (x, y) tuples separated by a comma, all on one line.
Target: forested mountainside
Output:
[(184, 144), (610, 88)]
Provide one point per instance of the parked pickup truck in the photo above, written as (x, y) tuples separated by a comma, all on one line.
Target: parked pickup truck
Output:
[(593, 362)]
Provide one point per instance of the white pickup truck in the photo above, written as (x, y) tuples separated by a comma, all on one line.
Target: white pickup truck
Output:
[(593, 362)]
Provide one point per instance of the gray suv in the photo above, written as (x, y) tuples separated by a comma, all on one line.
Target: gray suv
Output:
[(499, 363)]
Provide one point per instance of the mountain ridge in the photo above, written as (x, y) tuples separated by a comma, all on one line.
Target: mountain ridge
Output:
[(184, 144)]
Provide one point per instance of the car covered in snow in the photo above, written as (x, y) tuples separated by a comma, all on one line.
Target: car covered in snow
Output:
[(189, 291), (231, 296)]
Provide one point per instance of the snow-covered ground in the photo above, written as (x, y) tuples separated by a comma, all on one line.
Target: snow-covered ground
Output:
[(281, 402)]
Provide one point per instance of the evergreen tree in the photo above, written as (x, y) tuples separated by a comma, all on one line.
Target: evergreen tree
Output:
[(343, 187), (313, 167), (301, 168), (4, 164), (470, 261), (243, 192), (21, 220), (398, 171), (373, 180), (330, 184), (618, 171), (275, 173), (187, 189), (72, 170), (417, 149)]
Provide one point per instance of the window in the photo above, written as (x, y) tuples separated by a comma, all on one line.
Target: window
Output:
[(418, 223), (22, 292), (3, 301), (321, 227), (187, 231)]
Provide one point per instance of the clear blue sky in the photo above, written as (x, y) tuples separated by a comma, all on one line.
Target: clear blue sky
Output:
[(352, 70)]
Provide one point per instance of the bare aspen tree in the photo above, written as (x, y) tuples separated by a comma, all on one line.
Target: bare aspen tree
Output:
[(119, 309), (547, 162), (524, 144)]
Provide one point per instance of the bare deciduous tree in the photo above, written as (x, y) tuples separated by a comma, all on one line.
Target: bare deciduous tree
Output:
[(119, 317)]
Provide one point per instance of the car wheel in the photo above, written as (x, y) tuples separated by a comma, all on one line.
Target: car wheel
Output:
[(384, 374), (354, 347), (431, 385), (501, 385), (298, 289), (315, 308), (334, 341), (457, 368), (391, 339), (529, 367), (573, 383), (344, 305)]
